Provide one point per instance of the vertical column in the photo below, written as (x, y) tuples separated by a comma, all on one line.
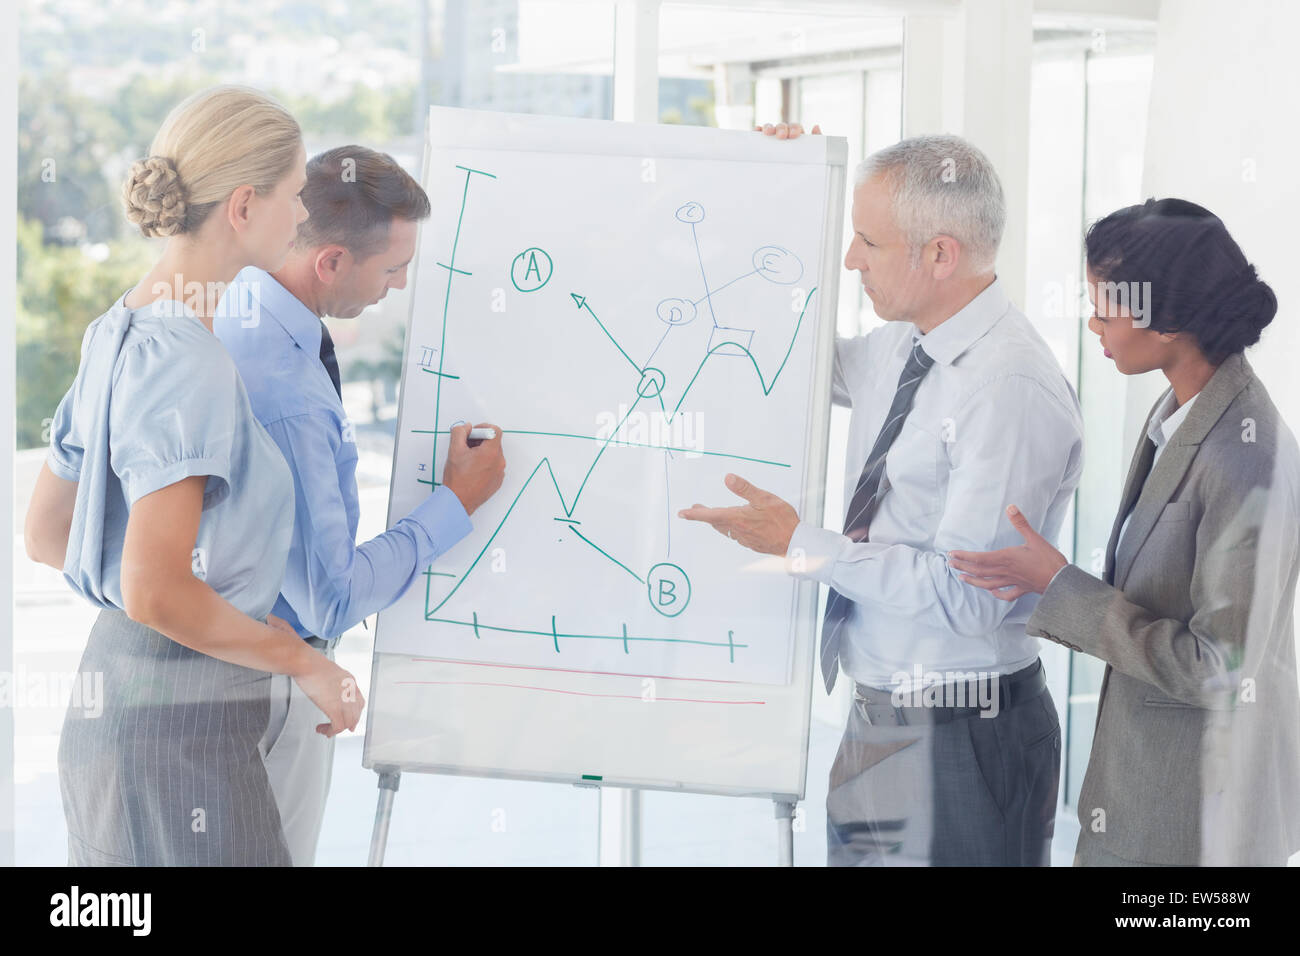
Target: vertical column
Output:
[(8, 406), (636, 99), (636, 61), (424, 90), (923, 68), (733, 93), (970, 74)]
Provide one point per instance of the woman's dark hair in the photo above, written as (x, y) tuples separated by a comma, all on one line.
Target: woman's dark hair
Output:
[(1200, 281)]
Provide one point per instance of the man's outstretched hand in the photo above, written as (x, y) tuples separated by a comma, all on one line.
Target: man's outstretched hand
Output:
[(765, 524)]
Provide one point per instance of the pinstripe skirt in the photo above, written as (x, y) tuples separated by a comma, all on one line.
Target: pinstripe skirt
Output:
[(168, 772)]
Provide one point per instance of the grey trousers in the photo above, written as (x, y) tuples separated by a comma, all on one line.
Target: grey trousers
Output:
[(299, 762), (975, 791), (169, 773)]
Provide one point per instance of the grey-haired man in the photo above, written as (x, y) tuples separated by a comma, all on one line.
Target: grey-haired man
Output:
[(951, 755)]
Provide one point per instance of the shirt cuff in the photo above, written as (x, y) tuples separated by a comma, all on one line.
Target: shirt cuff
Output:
[(61, 469), (140, 481), (813, 552), (443, 520)]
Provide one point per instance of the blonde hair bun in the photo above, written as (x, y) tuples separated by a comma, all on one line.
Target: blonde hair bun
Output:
[(155, 197)]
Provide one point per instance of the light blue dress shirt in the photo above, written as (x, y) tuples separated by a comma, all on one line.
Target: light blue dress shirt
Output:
[(993, 423), (330, 583), (156, 400)]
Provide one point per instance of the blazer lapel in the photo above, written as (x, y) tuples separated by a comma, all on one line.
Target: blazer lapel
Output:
[(1224, 385), (1160, 486), (1139, 466)]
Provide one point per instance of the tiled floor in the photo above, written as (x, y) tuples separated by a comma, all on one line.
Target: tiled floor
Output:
[(470, 821), (443, 820), (436, 819)]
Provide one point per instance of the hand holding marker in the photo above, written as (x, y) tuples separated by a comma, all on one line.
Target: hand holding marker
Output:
[(475, 464)]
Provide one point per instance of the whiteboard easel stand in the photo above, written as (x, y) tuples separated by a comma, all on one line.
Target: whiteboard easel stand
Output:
[(626, 850), (618, 832), (389, 778), (784, 832), (624, 826)]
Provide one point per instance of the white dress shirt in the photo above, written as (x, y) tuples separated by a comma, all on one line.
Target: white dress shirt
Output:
[(993, 423), (1164, 422)]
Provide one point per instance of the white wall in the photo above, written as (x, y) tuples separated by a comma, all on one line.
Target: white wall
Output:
[(969, 73), (1223, 132), (8, 398)]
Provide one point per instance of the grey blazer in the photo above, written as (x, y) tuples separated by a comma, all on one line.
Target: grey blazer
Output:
[(1196, 753)]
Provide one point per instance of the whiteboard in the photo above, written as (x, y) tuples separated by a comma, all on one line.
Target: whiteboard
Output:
[(642, 309)]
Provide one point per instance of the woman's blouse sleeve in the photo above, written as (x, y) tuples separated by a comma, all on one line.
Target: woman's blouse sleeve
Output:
[(67, 443), (174, 415), (66, 448)]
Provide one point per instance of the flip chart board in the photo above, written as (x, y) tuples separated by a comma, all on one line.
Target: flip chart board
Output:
[(642, 309)]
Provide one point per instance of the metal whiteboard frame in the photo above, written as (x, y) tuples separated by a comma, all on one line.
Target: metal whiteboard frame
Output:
[(804, 613)]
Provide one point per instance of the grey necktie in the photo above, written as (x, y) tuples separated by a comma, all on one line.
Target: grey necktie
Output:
[(866, 498)]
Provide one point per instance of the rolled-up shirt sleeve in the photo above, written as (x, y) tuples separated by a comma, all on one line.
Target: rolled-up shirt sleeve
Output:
[(331, 582), (67, 448), (66, 452), (170, 420), (1014, 443)]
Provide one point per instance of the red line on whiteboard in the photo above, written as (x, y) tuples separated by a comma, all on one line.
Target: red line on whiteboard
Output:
[(569, 670), (579, 693)]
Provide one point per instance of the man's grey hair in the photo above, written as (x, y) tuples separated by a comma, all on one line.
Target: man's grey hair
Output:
[(942, 185)]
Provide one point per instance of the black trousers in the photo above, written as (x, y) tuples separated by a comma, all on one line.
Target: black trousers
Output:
[(973, 791)]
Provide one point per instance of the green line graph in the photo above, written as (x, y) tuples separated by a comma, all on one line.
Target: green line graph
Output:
[(615, 441), (731, 644), (672, 580)]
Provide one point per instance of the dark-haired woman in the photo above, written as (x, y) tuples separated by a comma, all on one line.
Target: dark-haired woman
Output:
[(1196, 754)]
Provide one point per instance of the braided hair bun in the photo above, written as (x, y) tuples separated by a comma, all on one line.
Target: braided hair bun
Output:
[(154, 197), (1199, 281)]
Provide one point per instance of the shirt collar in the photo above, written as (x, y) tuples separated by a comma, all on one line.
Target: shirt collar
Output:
[(261, 290), (950, 338), (1166, 418)]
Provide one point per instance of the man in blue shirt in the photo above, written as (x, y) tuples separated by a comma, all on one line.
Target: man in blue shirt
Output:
[(354, 247)]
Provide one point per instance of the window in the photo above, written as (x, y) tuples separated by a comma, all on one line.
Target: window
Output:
[(95, 83), (1087, 130)]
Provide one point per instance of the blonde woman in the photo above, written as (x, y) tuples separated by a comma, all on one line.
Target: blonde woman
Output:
[(166, 504)]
